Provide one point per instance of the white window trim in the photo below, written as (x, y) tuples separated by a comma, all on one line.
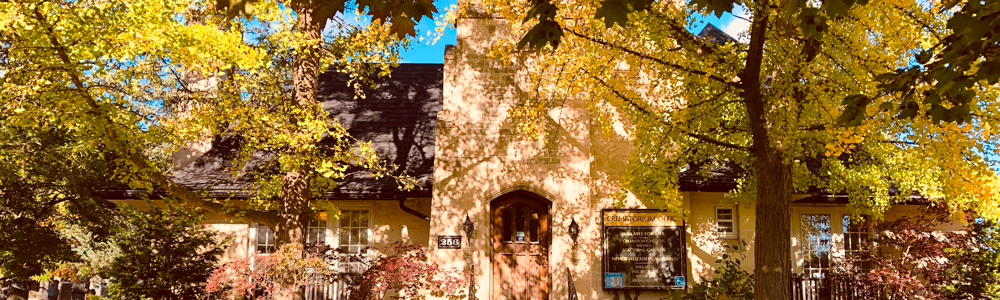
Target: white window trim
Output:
[(335, 225), (838, 244), (842, 250), (252, 245), (332, 229), (735, 219), (327, 239)]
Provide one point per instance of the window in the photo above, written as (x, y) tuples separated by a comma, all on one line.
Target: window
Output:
[(725, 221), (816, 235), (354, 233), (520, 224), (857, 239), (265, 239), (316, 234)]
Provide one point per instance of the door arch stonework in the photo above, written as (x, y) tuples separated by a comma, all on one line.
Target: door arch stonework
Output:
[(520, 241)]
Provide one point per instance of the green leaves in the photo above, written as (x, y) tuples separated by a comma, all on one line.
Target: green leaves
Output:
[(233, 8), (166, 254), (952, 69), (547, 31), (854, 110), (617, 11), (813, 23), (718, 7), (613, 12), (544, 33)]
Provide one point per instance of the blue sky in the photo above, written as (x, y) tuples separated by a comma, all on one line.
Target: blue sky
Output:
[(423, 52)]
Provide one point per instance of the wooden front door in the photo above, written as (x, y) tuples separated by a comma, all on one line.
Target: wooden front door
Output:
[(520, 249)]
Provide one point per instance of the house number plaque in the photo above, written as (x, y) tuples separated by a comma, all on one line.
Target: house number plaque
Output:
[(449, 242), (643, 249)]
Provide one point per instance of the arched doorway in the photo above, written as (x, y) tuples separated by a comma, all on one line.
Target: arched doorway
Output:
[(521, 239)]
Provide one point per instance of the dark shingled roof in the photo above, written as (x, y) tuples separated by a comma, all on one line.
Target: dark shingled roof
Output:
[(718, 179), (398, 117), (715, 35)]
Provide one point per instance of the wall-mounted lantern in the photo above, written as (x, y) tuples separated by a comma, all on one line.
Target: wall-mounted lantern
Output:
[(469, 227), (574, 230)]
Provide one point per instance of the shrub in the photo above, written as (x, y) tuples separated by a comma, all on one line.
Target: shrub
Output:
[(165, 254), (265, 276), (403, 269), (975, 273), (730, 280), (910, 259), (399, 271)]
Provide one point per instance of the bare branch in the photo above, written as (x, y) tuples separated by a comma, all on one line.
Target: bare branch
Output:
[(657, 60), (645, 111)]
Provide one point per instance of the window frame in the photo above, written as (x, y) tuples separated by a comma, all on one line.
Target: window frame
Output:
[(838, 252), (734, 218), (253, 245), (335, 225), (845, 231), (326, 233), (835, 247)]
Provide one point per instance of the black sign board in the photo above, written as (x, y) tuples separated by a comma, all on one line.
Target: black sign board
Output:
[(449, 242), (643, 250)]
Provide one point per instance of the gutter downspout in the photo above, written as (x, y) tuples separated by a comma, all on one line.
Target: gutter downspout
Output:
[(402, 205)]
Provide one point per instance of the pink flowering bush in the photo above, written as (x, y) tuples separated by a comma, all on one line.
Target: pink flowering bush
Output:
[(265, 276), (909, 259), (399, 271), (402, 269)]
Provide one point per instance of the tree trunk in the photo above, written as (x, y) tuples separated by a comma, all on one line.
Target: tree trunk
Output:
[(295, 209), (772, 239), (772, 242)]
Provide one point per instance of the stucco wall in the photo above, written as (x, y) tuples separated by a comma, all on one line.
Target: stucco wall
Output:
[(389, 224), (479, 158)]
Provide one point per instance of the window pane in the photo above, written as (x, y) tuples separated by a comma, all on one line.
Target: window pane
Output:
[(519, 218), (353, 220), (533, 226), (364, 237), (261, 235), (857, 238), (816, 234), (345, 218), (726, 226), (363, 218), (508, 223), (724, 213)]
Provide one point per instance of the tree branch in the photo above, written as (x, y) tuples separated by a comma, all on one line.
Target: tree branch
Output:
[(645, 111), (111, 135), (657, 60)]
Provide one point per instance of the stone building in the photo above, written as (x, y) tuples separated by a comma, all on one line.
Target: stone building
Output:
[(539, 209)]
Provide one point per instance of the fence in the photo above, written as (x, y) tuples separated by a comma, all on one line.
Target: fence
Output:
[(338, 286), (805, 288), (320, 288)]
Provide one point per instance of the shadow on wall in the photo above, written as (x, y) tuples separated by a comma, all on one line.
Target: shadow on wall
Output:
[(480, 152)]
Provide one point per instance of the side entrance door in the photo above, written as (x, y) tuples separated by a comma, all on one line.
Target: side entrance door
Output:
[(520, 229)]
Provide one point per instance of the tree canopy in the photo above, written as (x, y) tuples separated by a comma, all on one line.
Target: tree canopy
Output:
[(140, 79), (799, 106), (46, 185)]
